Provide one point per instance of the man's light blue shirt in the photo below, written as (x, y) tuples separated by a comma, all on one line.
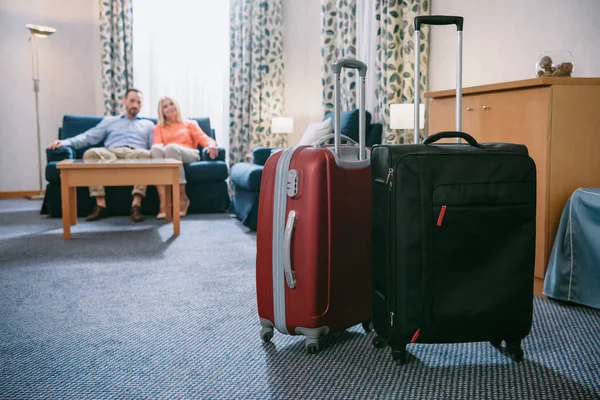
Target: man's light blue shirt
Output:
[(118, 131)]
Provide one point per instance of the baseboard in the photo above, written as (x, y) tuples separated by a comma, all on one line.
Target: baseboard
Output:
[(18, 195)]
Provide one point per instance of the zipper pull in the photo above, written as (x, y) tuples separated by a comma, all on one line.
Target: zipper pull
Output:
[(390, 175), (392, 319)]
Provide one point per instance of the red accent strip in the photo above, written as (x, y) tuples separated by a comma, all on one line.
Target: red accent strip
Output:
[(441, 216), (415, 336)]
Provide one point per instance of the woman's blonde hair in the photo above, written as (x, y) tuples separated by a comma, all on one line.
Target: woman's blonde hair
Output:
[(161, 115)]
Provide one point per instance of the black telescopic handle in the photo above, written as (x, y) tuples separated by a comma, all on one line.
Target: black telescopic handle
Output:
[(438, 20), (452, 134)]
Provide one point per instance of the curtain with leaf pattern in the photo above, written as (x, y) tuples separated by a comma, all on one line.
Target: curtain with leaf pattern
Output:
[(395, 60), (256, 75), (116, 35), (338, 40)]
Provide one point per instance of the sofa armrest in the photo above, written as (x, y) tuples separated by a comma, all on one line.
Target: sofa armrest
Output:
[(205, 157), (260, 154), (62, 153)]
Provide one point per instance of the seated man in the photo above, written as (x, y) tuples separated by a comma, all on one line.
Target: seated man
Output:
[(126, 136)]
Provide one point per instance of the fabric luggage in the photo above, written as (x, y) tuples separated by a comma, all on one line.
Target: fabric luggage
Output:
[(313, 263), (453, 238)]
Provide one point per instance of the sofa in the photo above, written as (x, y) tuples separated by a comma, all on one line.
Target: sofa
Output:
[(246, 176), (206, 179)]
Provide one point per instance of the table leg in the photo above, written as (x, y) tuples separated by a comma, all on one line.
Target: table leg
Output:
[(168, 204), (176, 202), (73, 203), (65, 203)]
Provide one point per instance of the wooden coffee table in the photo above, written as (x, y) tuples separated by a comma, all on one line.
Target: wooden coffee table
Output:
[(74, 173)]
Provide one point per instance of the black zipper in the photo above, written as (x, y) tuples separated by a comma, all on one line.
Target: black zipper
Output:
[(391, 251)]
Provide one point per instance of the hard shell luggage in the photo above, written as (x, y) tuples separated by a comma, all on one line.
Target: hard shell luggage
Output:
[(453, 238), (313, 262)]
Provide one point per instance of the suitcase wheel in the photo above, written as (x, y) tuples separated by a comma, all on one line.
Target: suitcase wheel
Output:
[(399, 356), (496, 343), (311, 345), (515, 352), (378, 342), (266, 334), (366, 325)]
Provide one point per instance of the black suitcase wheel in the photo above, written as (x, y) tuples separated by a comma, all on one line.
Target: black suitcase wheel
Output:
[(399, 356), (515, 352), (378, 342), (366, 325), (267, 336), (496, 343), (312, 348)]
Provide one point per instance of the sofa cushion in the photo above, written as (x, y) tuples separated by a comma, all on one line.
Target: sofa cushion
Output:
[(349, 123), (52, 173), (374, 133), (260, 155), (205, 171), (73, 125), (247, 176)]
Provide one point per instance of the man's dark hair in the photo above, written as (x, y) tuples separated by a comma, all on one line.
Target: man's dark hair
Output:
[(132, 90)]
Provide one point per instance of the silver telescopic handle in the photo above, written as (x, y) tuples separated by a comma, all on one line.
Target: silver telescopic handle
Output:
[(362, 134), (438, 20)]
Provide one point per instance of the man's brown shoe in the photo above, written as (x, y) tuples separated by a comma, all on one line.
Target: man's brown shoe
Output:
[(97, 213), (136, 214)]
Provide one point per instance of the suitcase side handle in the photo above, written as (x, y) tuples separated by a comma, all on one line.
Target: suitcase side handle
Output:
[(290, 276), (439, 20), (452, 134)]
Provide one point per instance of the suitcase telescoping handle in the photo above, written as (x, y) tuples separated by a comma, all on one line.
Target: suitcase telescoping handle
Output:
[(338, 65), (439, 20)]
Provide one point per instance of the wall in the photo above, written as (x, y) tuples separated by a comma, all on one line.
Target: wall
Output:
[(302, 61), (503, 39), (70, 80)]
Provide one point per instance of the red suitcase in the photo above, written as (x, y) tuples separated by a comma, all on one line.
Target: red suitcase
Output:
[(313, 262)]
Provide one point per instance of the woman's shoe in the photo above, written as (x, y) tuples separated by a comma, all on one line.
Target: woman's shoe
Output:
[(184, 209)]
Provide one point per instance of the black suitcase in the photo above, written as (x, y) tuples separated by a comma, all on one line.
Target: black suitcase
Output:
[(453, 239)]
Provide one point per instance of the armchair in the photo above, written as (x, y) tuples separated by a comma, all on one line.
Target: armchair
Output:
[(206, 179), (246, 176)]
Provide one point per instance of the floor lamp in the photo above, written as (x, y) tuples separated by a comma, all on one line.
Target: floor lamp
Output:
[(37, 31)]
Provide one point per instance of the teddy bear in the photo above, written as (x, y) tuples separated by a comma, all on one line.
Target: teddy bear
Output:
[(546, 69)]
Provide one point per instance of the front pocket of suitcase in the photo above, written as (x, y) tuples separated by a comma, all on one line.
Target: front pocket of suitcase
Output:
[(479, 278)]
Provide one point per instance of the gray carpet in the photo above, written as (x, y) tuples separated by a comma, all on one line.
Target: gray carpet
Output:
[(126, 311)]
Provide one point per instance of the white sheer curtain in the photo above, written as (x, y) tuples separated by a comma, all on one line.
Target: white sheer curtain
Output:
[(181, 49), (366, 43)]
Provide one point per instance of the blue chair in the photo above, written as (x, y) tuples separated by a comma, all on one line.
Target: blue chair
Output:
[(573, 272), (246, 176), (206, 179)]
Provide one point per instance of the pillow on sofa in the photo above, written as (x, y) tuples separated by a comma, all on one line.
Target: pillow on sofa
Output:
[(316, 131), (349, 122)]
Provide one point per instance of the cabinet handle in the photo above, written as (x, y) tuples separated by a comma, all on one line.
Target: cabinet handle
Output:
[(486, 107), (469, 109)]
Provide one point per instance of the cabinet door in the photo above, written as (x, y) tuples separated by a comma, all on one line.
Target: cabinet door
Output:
[(523, 116), (443, 115)]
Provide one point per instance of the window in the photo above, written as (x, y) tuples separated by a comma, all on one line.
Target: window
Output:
[(181, 49)]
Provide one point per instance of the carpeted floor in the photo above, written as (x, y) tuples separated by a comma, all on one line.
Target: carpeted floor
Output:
[(126, 311)]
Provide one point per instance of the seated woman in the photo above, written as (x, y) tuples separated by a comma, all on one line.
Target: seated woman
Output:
[(178, 139)]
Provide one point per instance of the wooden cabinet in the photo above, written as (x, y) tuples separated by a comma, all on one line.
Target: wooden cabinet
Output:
[(558, 119)]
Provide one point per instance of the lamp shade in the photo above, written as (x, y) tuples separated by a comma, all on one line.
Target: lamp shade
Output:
[(40, 30), (282, 125), (402, 116)]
